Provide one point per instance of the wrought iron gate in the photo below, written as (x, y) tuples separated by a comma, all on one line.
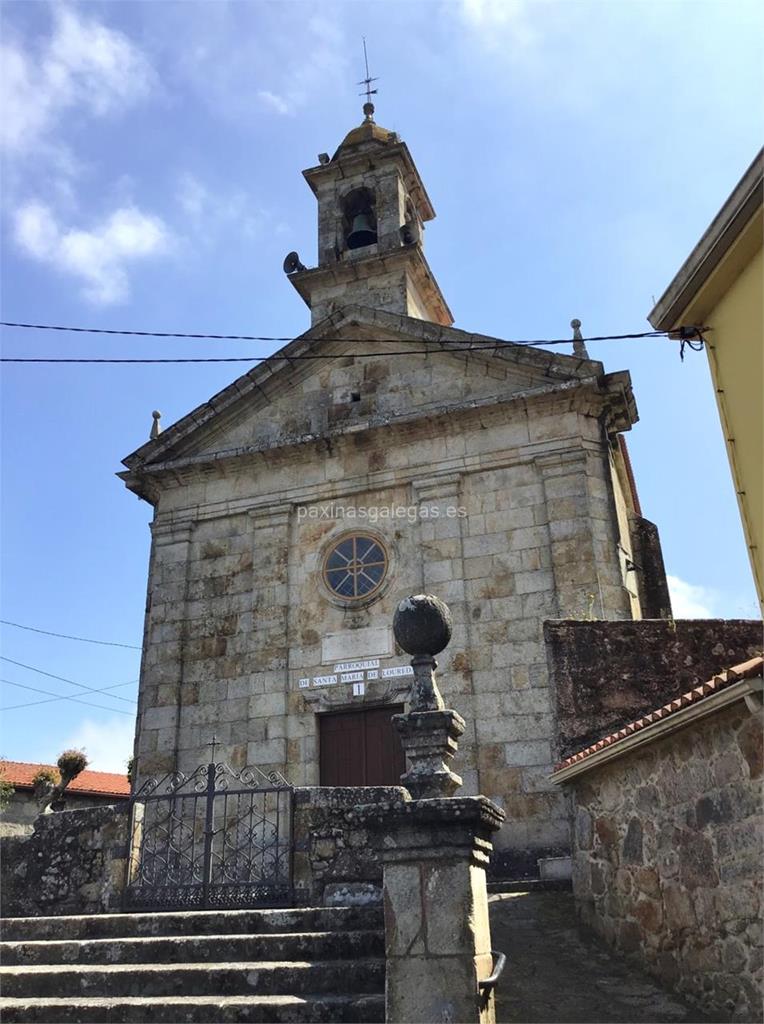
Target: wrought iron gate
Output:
[(214, 838)]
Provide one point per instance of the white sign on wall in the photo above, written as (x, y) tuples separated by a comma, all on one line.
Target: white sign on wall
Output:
[(356, 666), (399, 670), (370, 642), (358, 674), (324, 680)]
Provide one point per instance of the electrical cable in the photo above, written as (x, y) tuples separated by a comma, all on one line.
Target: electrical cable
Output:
[(255, 337), (480, 347), (67, 636), (63, 679), (77, 700)]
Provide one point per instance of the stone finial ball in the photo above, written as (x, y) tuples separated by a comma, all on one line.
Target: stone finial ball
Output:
[(422, 624)]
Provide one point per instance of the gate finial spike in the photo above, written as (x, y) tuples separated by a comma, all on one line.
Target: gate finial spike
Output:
[(212, 744)]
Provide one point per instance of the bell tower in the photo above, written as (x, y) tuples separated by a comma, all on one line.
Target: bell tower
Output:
[(372, 208)]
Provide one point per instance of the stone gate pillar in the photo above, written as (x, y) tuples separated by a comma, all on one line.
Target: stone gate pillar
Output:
[(434, 849)]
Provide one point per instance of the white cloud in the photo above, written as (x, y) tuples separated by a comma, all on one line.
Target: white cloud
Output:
[(208, 211), (277, 103), (98, 257), (108, 744), (83, 64), (689, 601), (276, 57), (496, 21)]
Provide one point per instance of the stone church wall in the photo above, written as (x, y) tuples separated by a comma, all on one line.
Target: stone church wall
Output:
[(668, 850), (238, 613)]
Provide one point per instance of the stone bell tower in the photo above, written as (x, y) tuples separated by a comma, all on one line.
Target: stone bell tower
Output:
[(372, 207)]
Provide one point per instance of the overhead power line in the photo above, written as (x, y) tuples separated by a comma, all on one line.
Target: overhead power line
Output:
[(63, 679), (302, 357), (77, 700), (143, 334), (67, 636), (259, 337)]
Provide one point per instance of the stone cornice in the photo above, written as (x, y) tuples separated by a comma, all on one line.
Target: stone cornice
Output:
[(167, 532), (437, 486), (608, 398), (408, 258), (350, 487), (270, 515)]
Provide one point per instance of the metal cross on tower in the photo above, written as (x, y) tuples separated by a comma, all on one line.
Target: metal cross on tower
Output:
[(368, 91)]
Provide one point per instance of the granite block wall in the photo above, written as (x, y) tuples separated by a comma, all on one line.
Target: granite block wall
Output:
[(668, 846)]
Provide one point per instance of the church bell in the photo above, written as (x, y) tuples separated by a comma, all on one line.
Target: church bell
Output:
[(362, 232)]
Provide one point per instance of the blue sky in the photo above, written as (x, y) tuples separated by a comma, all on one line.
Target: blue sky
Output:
[(152, 152)]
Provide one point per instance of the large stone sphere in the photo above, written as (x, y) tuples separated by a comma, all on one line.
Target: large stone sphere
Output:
[(422, 624)]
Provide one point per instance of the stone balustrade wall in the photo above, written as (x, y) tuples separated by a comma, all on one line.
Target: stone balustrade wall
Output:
[(668, 851)]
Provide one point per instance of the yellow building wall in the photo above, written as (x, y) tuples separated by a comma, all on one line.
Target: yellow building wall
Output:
[(736, 356)]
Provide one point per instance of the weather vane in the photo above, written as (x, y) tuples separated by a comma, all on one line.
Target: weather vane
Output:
[(368, 91)]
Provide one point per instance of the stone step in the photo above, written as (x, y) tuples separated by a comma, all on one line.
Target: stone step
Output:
[(231, 949), (193, 922), (256, 977), (306, 1009)]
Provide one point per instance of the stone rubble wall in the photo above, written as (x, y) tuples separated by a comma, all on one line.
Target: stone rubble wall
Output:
[(668, 852), (75, 862), (607, 674), (334, 858)]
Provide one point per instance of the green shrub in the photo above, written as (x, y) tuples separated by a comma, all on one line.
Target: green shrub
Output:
[(6, 789)]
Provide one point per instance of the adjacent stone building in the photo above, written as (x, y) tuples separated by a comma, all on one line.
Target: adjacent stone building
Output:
[(382, 453)]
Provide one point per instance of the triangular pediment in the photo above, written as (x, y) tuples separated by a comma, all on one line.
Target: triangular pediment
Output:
[(359, 367)]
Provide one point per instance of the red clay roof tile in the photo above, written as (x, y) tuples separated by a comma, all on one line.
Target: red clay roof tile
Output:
[(21, 773)]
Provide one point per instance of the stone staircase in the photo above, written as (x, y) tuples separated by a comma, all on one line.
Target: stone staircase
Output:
[(296, 965)]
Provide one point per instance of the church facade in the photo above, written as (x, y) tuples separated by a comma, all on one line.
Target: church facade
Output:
[(383, 453)]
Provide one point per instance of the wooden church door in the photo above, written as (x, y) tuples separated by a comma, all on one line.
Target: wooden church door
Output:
[(361, 748)]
